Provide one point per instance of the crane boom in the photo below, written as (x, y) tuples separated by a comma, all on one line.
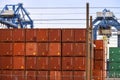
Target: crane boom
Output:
[(15, 16)]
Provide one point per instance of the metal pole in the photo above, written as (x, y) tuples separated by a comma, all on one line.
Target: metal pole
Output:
[(91, 48), (87, 44)]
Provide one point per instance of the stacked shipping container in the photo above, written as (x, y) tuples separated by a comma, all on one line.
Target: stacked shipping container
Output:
[(114, 62), (46, 54), (73, 54), (99, 68)]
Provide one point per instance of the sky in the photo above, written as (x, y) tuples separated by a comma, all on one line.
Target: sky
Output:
[(66, 13), (63, 3), (68, 3)]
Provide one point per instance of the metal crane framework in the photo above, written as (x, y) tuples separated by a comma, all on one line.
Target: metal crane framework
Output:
[(104, 21), (15, 16)]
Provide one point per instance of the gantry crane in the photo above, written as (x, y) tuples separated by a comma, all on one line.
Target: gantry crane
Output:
[(15, 16), (103, 23)]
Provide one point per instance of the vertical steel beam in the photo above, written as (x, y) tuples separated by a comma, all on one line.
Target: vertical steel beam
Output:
[(87, 44), (91, 48)]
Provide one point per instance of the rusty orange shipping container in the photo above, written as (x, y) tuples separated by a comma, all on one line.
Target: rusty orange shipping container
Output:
[(30, 63), (6, 62), (1, 63), (6, 75), (19, 49), (30, 34), (79, 63), (30, 75), (43, 49), (67, 63), (42, 75), (31, 49), (42, 35), (99, 54), (79, 75), (99, 65), (67, 75), (55, 35), (67, 35), (99, 44), (18, 35), (18, 62), (6, 35), (42, 63), (55, 75), (67, 49), (80, 49), (0, 73), (54, 49), (18, 75), (54, 63), (80, 35), (1, 36), (97, 75), (104, 74), (6, 48)]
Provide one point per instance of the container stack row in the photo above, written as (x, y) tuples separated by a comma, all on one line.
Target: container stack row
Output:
[(43, 35), (43, 54), (114, 62), (99, 67), (27, 57)]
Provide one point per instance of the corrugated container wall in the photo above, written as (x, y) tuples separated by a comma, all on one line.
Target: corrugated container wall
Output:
[(18, 62), (30, 34), (19, 75), (31, 49), (6, 62), (67, 49), (67, 35), (54, 35), (6, 75), (79, 75), (19, 49), (42, 63), (42, 75), (42, 35), (54, 49), (30, 75), (80, 35), (54, 63), (6, 35), (30, 63), (18, 35), (43, 49), (55, 75), (6, 49)]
